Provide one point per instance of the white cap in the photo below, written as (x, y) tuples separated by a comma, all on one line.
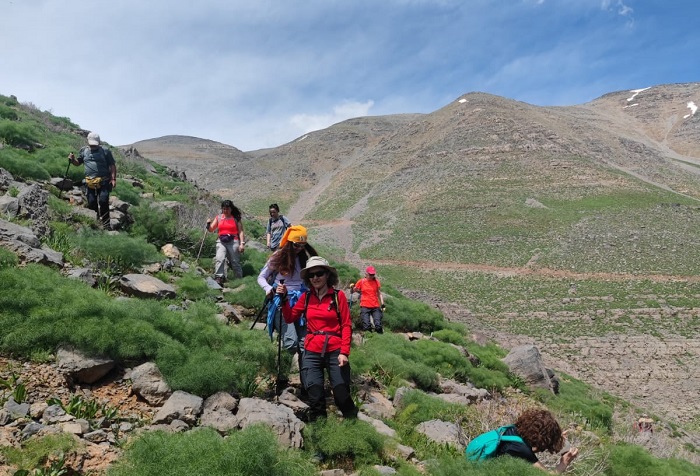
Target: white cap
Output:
[(93, 138)]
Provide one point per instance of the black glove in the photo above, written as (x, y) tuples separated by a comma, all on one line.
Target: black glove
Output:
[(208, 225), (383, 308)]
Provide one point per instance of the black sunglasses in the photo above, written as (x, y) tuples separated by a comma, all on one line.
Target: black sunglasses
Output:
[(298, 245), (317, 274)]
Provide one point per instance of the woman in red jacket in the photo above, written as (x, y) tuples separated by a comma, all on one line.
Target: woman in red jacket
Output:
[(231, 240), (327, 343)]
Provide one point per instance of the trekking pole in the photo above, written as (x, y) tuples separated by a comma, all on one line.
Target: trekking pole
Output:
[(206, 231), (63, 184), (279, 349), (264, 306)]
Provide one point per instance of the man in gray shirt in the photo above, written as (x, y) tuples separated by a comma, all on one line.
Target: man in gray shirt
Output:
[(100, 176)]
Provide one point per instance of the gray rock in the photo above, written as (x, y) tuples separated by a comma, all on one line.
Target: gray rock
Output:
[(16, 410), (9, 206), (381, 427), (148, 382), (144, 286), (84, 275), (79, 367), (180, 406), (26, 245), (221, 401), (281, 419), (441, 432), (526, 362)]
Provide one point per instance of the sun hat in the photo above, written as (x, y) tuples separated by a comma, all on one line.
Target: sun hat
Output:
[(93, 138), (371, 270), (295, 234), (318, 262)]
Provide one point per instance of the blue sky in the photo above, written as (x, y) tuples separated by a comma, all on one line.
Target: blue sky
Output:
[(260, 73)]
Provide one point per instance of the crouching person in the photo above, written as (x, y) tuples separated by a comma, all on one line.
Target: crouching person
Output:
[(329, 333), (536, 430)]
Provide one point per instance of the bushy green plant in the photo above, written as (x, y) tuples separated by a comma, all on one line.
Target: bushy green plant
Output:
[(591, 408), (21, 165), (8, 113), (345, 442), (124, 191), (17, 133), (391, 359), (247, 293), (417, 407), (7, 258), (41, 310), (37, 452), (450, 465), (451, 336), (629, 460), (252, 451), (192, 286), (119, 253), (405, 315), (88, 409), (157, 226)]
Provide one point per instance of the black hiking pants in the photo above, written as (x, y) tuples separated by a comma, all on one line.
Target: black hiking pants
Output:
[(313, 377), (98, 200)]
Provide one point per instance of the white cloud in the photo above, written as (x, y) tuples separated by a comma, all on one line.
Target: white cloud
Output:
[(312, 122)]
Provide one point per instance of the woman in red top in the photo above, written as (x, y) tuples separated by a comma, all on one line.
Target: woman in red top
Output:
[(231, 240), (327, 343)]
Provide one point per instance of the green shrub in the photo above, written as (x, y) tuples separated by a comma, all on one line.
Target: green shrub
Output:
[(392, 359), (7, 258), (8, 113), (343, 442), (629, 460), (118, 253), (194, 287), (451, 336), (447, 465), (21, 165), (405, 315), (591, 408), (247, 293), (124, 191), (40, 310), (35, 452), (155, 225), (61, 236), (417, 407), (253, 451), (17, 133)]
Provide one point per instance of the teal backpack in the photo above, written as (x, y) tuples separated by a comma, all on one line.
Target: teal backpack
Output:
[(485, 445)]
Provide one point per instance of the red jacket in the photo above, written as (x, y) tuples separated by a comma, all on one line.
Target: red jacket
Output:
[(321, 316)]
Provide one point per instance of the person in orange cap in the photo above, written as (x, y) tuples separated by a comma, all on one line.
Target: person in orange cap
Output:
[(286, 264), (371, 300)]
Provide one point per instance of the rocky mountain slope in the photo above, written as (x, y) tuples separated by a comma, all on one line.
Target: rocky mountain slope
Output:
[(597, 197)]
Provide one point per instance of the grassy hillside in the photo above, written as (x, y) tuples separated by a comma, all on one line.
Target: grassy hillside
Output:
[(41, 309)]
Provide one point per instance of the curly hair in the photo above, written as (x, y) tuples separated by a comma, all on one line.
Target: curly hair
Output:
[(284, 259), (540, 430)]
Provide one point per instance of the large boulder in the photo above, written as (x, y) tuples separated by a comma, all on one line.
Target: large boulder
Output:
[(145, 286), (78, 367), (148, 383), (280, 418), (26, 245), (526, 362)]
